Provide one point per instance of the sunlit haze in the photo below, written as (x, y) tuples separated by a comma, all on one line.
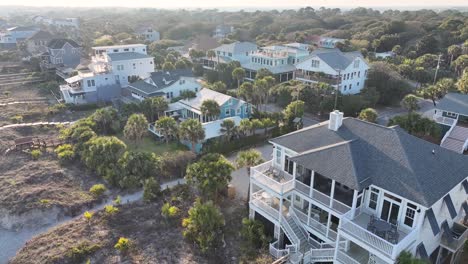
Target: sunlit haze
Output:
[(235, 3)]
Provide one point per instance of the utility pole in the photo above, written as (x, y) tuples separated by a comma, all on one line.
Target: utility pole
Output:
[(437, 69), (338, 87)]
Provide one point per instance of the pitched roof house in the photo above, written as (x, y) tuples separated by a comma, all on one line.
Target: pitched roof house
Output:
[(363, 192)]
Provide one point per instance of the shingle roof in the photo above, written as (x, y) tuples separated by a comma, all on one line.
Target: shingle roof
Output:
[(58, 43), (454, 102), (161, 81), (360, 154), (144, 87), (205, 94), (334, 57), (41, 34), (127, 56), (237, 47)]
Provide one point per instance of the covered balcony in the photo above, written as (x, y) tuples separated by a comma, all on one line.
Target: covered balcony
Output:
[(454, 238), (381, 238), (269, 205), (354, 254), (317, 77), (268, 176), (323, 190)]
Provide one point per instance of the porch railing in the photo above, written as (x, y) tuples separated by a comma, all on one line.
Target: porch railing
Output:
[(258, 174), (290, 233), (456, 243), (372, 240), (321, 197), (276, 252), (263, 206), (314, 224)]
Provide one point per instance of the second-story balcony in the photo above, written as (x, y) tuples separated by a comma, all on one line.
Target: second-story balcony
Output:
[(271, 177), (316, 77), (387, 243), (454, 238)]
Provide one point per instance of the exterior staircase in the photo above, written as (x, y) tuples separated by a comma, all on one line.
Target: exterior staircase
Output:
[(455, 139)]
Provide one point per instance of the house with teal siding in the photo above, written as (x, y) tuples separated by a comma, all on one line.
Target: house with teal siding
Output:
[(231, 108)]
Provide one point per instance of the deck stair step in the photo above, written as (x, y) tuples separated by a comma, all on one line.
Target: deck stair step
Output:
[(456, 139)]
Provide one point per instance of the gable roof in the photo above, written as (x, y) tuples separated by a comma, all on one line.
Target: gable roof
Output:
[(119, 56), (335, 58), (454, 102), (360, 154), (161, 80), (59, 43), (23, 28), (205, 94), (41, 34), (237, 47), (165, 78)]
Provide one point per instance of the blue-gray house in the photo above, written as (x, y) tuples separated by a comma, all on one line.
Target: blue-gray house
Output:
[(231, 108)]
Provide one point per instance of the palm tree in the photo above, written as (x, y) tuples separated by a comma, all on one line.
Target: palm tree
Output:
[(238, 74), (248, 159), (410, 103), (192, 131), (228, 128), (210, 108), (260, 90), (454, 51), (154, 106), (245, 126), (211, 54), (136, 127), (256, 123), (168, 127)]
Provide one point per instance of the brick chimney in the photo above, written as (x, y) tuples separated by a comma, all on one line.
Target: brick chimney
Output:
[(336, 120)]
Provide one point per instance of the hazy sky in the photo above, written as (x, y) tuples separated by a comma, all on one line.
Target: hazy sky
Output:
[(234, 3)]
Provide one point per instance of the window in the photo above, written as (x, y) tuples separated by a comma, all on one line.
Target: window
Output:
[(238, 111), (374, 196), (410, 214), (345, 87), (151, 62), (288, 165), (315, 63), (126, 49), (91, 83), (358, 84), (358, 74), (356, 63), (134, 66), (350, 86), (227, 112), (196, 89), (116, 50), (230, 54), (450, 114), (120, 67)]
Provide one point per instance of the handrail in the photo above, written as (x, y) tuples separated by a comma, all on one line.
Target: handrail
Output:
[(373, 240), (276, 252), (447, 134), (258, 174), (297, 221), (290, 233)]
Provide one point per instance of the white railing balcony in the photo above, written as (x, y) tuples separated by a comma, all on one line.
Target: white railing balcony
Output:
[(273, 178), (265, 205), (357, 229), (321, 197), (152, 128), (315, 225), (320, 255)]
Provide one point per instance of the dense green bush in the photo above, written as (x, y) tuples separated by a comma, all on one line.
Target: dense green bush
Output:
[(97, 190), (36, 154), (218, 145)]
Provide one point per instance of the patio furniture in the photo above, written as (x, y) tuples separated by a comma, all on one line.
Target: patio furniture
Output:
[(267, 198), (393, 235), (382, 228)]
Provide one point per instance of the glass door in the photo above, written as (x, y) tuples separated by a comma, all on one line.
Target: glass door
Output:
[(390, 211)]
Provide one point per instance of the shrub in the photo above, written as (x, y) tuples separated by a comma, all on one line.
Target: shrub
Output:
[(151, 190), (57, 108), (17, 119), (35, 154), (81, 251), (221, 146), (169, 211), (123, 244), (111, 210), (65, 152), (118, 200), (97, 190)]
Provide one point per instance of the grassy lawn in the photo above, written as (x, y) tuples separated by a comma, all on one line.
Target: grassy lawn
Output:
[(148, 144)]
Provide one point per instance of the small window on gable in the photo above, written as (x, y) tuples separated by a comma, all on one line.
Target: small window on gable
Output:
[(315, 63), (356, 63)]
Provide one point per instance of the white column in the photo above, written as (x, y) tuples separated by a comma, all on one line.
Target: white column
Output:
[(353, 205), (337, 247), (294, 170), (308, 214), (332, 193), (328, 223), (311, 184), (280, 210)]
